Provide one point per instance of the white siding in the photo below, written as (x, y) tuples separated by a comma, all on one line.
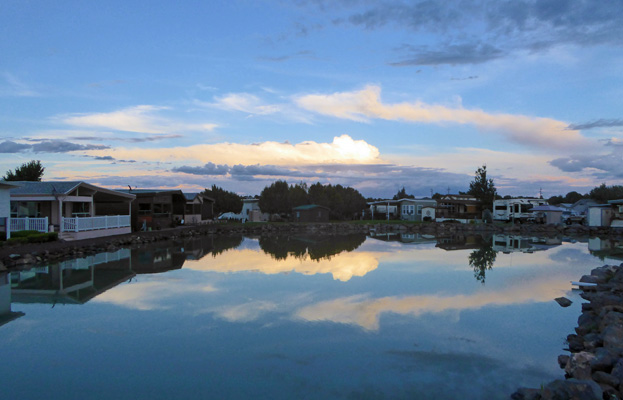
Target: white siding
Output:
[(5, 203)]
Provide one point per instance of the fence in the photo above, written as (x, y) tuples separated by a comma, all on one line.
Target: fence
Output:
[(94, 223), (28, 224)]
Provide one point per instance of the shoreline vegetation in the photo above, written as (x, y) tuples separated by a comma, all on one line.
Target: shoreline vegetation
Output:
[(16, 255)]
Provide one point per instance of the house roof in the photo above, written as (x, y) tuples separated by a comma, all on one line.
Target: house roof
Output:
[(51, 188), (309, 207), (7, 185), (547, 208), (619, 201), (193, 196)]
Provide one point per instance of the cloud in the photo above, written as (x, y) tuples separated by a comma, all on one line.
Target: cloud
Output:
[(15, 87), (477, 32), (298, 54), (469, 53), (244, 102), (343, 149), (600, 123), (610, 164), (363, 105), (9, 146), (47, 146), (140, 118), (207, 169)]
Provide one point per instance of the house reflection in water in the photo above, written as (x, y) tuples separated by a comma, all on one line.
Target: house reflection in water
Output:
[(6, 315), (606, 248), (71, 282), (403, 237), (514, 243)]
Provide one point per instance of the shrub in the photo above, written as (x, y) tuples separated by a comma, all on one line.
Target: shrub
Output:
[(17, 240), (21, 234), (43, 237)]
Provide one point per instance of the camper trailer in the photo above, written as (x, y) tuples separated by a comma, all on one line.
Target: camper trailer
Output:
[(516, 210)]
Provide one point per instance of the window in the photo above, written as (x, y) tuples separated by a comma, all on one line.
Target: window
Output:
[(419, 210), (144, 208), (80, 209), (500, 208), (23, 209), (162, 209)]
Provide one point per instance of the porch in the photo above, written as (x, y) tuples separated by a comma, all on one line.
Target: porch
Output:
[(92, 227)]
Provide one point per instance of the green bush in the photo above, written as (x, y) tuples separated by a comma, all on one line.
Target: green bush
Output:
[(21, 234), (43, 237), (17, 240)]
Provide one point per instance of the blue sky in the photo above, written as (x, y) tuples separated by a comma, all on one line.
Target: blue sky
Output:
[(372, 94)]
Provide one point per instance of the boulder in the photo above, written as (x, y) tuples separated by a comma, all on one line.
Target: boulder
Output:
[(563, 301), (606, 378), (613, 336), (579, 365), (572, 389)]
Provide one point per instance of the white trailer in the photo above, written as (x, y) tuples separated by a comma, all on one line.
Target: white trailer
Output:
[(516, 210)]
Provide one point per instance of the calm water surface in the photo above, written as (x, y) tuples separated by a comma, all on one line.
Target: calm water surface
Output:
[(295, 317)]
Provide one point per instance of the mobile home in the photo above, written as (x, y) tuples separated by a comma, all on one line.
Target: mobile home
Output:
[(517, 210)]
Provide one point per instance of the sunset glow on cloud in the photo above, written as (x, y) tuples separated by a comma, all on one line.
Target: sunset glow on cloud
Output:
[(366, 104)]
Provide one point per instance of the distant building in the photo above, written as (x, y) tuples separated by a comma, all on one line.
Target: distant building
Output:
[(199, 208), (310, 213), (251, 211), (404, 209), (458, 206)]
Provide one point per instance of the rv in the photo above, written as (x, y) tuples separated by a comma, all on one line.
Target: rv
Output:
[(516, 210)]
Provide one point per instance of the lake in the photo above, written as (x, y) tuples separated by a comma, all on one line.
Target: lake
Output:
[(296, 317)]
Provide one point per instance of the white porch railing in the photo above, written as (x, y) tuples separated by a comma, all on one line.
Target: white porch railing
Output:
[(94, 223), (28, 224)]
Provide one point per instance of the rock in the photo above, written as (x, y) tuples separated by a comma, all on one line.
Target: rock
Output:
[(563, 359), (563, 301), (587, 323), (604, 377), (576, 343), (617, 371), (589, 279), (579, 365), (611, 318), (613, 336), (572, 389), (526, 394), (604, 360)]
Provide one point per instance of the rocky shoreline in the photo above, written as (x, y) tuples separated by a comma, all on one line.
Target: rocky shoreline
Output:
[(16, 256), (594, 370)]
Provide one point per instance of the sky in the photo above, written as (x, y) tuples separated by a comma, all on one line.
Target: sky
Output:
[(376, 95)]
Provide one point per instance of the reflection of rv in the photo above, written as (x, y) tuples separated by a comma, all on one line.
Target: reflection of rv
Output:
[(518, 210), (513, 243)]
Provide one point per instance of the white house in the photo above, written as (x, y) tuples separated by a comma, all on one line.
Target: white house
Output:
[(78, 210), (5, 207), (251, 211)]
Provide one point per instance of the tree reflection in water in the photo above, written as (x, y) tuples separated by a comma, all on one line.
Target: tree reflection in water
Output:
[(315, 246), (482, 260)]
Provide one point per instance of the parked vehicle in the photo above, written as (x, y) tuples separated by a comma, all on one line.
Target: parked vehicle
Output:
[(516, 210)]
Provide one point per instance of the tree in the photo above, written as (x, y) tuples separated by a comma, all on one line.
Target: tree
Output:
[(30, 171), (298, 194), (604, 193), (482, 188), (224, 201), (275, 199), (402, 194)]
